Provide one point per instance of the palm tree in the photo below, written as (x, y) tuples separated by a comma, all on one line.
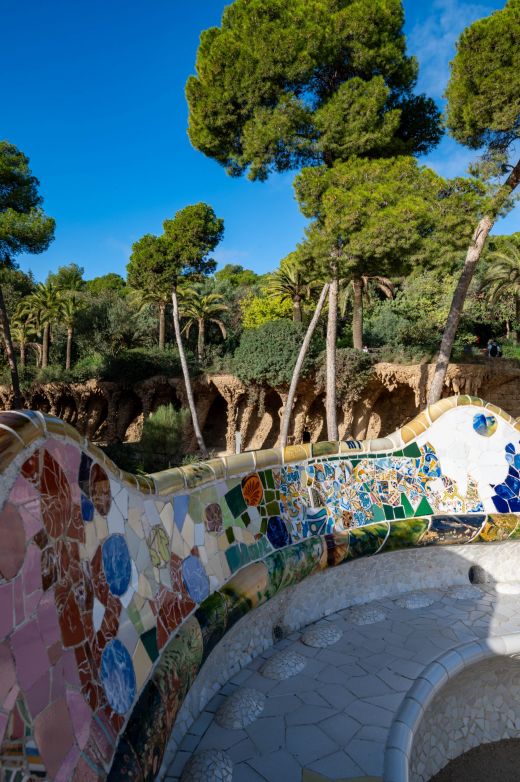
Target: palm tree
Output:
[(44, 306), (69, 307), (503, 279), (22, 331), (200, 309), (292, 282), (358, 289), (160, 299)]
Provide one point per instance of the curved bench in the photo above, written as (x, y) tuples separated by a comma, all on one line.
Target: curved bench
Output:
[(427, 731), (116, 588)]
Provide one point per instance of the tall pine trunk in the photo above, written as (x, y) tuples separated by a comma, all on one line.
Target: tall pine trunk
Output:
[(517, 319), (22, 353), (457, 305), (201, 337), (9, 349), (298, 366), (297, 309), (332, 329), (68, 358), (186, 374), (162, 324), (357, 314), (45, 346)]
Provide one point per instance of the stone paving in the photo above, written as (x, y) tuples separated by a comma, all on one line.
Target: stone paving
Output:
[(327, 713)]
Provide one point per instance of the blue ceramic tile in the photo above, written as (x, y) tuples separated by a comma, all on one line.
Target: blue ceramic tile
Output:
[(277, 532), (180, 509), (195, 578), (485, 425), (116, 564), (87, 508), (118, 676)]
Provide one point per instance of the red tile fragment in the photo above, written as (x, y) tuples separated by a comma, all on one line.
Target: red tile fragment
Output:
[(55, 497), (100, 489), (12, 535)]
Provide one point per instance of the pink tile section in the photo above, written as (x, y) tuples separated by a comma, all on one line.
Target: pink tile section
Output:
[(54, 737), (29, 653)]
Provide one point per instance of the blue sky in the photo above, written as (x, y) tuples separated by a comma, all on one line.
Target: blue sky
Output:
[(95, 97)]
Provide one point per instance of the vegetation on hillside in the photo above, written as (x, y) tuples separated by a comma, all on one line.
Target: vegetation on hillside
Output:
[(324, 88)]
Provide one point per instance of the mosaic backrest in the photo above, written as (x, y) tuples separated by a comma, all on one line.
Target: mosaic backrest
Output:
[(114, 588)]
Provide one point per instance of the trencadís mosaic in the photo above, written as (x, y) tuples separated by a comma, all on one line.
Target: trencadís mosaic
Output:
[(114, 588)]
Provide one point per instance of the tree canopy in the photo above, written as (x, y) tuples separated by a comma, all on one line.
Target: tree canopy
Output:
[(284, 83), (384, 216), (484, 88), (23, 225), (188, 239)]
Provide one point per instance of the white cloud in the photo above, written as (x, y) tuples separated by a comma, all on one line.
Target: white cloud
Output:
[(433, 40)]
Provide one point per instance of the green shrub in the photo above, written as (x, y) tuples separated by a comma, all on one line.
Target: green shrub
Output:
[(353, 371), (268, 353), (163, 443), (88, 368), (131, 366)]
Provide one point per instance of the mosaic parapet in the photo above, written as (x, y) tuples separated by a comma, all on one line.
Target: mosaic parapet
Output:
[(115, 588)]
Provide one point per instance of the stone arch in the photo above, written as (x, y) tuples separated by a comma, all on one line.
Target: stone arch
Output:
[(164, 395), (95, 416), (391, 410), (129, 411), (66, 407), (264, 426), (40, 401), (316, 420), (216, 424)]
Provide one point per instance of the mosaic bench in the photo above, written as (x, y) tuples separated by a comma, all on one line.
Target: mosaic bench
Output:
[(115, 588)]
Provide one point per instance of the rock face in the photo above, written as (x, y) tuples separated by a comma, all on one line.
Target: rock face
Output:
[(111, 412)]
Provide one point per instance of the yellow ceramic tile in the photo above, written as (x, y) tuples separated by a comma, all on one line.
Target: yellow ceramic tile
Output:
[(223, 542), (56, 426), (169, 481), (250, 582), (128, 478), (21, 425), (407, 433), (99, 455), (197, 474), (440, 407), (218, 467), (142, 665), (268, 458), (34, 417), (296, 453), (10, 446), (239, 463), (167, 518), (73, 434), (498, 411), (144, 484)]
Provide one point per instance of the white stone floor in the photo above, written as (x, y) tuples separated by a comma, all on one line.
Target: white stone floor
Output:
[(333, 716)]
